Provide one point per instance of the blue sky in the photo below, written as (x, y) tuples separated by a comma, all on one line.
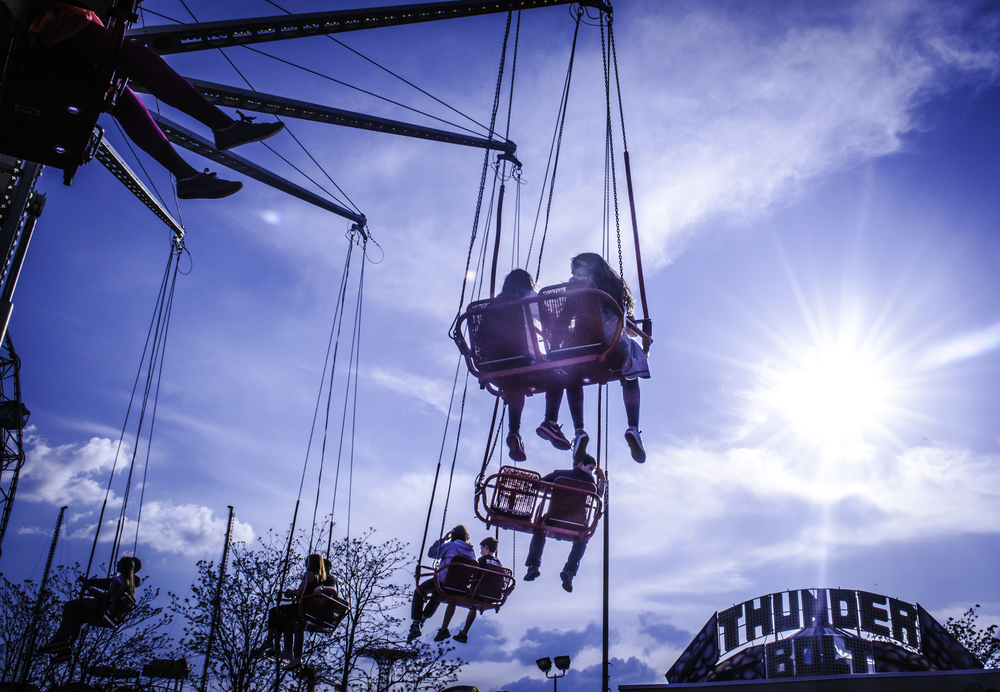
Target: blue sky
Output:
[(815, 189)]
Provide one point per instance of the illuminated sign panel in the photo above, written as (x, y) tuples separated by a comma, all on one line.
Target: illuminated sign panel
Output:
[(809, 632)]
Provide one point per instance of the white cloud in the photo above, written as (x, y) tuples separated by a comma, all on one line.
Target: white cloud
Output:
[(71, 474), (188, 530)]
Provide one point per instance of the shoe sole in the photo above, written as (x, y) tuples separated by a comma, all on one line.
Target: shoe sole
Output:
[(515, 451), (531, 577), (581, 451), (220, 194), (254, 139), (560, 443), (638, 453)]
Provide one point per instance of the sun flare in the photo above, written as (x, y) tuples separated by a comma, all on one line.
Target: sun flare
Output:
[(833, 396)]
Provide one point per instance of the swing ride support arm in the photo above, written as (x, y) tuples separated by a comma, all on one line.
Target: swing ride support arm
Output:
[(199, 145), (244, 99), (186, 38), (107, 155)]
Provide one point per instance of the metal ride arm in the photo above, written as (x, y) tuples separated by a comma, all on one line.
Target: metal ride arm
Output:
[(189, 140), (231, 97), (114, 163), (238, 32)]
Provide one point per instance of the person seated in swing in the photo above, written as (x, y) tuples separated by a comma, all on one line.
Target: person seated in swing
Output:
[(583, 469), (285, 621), (590, 266), (75, 31), (330, 586), (455, 543), (487, 560), (516, 286), (90, 610)]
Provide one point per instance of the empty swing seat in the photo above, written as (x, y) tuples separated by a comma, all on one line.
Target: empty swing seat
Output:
[(518, 499)]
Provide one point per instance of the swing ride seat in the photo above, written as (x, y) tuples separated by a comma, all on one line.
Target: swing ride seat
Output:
[(518, 499), (509, 351), (468, 584), (51, 100), (323, 613), (115, 612)]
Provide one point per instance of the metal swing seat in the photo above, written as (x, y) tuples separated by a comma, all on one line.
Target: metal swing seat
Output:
[(544, 342), (518, 499), (115, 611), (464, 582), (323, 613), (51, 99)]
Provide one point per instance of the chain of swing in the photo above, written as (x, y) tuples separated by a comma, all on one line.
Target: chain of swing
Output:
[(548, 186), (349, 409), (151, 364)]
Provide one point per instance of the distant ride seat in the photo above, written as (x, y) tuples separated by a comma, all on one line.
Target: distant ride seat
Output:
[(518, 499), (468, 584), (509, 350), (51, 99)]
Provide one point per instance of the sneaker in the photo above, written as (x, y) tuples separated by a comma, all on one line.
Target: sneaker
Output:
[(632, 436), (414, 632), (293, 664), (442, 634), (552, 431), (461, 637), (265, 650), (245, 131), (580, 445), (533, 574), (286, 655), (207, 186), (567, 581), (61, 658), (516, 446), (55, 646)]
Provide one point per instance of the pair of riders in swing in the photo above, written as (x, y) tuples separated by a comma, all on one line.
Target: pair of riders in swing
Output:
[(456, 542), (592, 267)]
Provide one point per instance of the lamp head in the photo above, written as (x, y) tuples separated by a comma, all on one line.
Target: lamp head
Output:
[(562, 662), (544, 664)]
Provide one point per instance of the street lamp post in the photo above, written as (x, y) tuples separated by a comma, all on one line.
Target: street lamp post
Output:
[(545, 665)]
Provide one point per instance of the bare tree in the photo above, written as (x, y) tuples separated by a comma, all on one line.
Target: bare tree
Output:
[(983, 643), (371, 577), (139, 638)]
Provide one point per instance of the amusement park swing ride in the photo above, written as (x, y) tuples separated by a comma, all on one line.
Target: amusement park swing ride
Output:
[(48, 116)]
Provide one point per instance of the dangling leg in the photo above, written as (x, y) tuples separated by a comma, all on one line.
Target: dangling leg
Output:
[(631, 398), (463, 636), (574, 396), (150, 70), (143, 130), (534, 560), (550, 429), (515, 445), (572, 565), (444, 632)]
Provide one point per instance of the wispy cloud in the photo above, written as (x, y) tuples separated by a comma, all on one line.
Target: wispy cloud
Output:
[(962, 348), (436, 393), (757, 107)]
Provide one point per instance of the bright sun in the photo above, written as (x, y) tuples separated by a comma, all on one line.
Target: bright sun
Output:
[(832, 396)]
